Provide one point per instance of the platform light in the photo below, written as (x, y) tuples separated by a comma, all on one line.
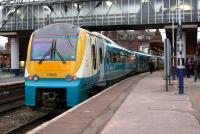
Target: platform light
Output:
[(183, 7), (108, 3), (76, 5), (46, 7), (18, 12), (186, 7), (152, 30), (145, 1)]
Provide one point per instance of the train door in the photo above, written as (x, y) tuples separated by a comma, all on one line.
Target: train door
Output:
[(94, 59), (101, 58)]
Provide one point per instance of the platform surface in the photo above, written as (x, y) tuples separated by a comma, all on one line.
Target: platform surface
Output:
[(12, 80), (150, 110), (137, 105)]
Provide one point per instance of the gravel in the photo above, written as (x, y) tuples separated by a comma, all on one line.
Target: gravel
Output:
[(17, 118)]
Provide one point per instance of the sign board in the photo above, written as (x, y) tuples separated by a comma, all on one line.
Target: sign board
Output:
[(167, 62)]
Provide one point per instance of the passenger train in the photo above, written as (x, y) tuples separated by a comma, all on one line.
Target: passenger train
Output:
[(64, 62)]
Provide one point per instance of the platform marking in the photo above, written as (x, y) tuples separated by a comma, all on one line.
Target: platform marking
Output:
[(37, 129), (10, 83)]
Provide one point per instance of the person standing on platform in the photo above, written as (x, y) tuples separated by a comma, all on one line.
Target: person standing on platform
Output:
[(196, 68), (189, 67), (151, 66)]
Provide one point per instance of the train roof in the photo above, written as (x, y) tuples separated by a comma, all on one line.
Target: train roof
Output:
[(70, 29), (57, 29), (150, 55), (112, 43)]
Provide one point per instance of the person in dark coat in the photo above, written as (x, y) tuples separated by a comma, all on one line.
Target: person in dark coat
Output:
[(187, 70), (151, 66), (196, 68), (189, 67)]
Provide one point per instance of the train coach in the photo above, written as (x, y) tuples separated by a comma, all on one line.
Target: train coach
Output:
[(64, 62)]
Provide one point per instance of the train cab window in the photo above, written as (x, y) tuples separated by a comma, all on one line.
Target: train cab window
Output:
[(100, 55), (65, 45), (94, 57)]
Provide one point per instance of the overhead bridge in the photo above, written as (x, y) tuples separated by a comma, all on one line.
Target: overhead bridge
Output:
[(96, 14)]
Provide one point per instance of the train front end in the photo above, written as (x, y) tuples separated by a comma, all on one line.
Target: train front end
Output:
[(54, 57)]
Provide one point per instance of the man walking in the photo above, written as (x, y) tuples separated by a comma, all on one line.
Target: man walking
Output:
[(151, 66)]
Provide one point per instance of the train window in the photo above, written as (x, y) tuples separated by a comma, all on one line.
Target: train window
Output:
[(117, 57), (100, 55), (41, 46), (107, 56), (65, 45), (94, 57), (111, 55), (114, 57)]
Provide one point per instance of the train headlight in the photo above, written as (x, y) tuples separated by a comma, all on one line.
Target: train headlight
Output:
[(74, 78), (30, 77), (68, 77), (35, 77)]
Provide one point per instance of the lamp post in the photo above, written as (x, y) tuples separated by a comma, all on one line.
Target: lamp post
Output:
[(180, 52), (173, 49), (173, 68)]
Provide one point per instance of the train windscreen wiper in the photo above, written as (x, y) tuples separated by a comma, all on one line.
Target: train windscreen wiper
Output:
[(60, 56), (68, 39), (58, 53), (52, 51), (46, 54)]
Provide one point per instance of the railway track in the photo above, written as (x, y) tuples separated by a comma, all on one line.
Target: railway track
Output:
[(31, 124), (12, 101), (10, 106), (11, 96), (11, 90)]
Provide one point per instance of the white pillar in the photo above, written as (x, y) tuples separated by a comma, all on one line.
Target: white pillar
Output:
[(15, 55)]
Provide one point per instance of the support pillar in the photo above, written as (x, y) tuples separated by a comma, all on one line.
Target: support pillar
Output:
[(15, 56), (189, 39)]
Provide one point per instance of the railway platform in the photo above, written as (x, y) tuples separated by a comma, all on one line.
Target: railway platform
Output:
[(136, 105), (11, 80)]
